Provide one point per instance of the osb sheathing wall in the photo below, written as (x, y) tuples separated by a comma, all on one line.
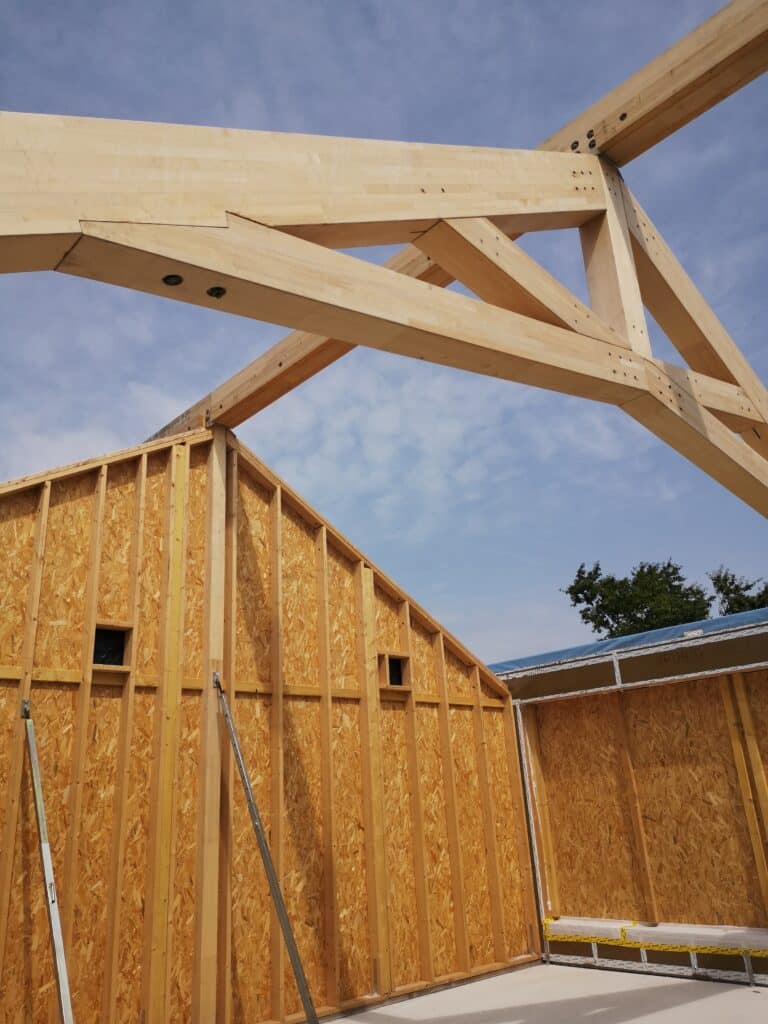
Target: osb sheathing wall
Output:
[(394, 813), (652, 804)]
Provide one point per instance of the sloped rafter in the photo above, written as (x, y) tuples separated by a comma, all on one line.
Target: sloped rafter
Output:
[(715, 60)]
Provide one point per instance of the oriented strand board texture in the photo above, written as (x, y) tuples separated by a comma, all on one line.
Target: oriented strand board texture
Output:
[(253, 618), (342, 616), (349, 851), (194, 567), (514, 876), (65, 568), (18, 516), (10, 727), (301, 658), (114, 604), (756, 685), (186, 797), (590, 820), (387, 622), (88, 952), (151, 577), (424, 678), (699, 848), (251, 904), (471, 837), (135, 866), (27, 985), (398, 847), (438, 862), (303, 867), (458, 676)]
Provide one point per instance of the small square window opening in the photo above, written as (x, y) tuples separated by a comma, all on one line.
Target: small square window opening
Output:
[(395, 671), (109, 646)]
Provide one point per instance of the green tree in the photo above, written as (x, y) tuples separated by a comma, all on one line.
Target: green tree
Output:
[(655, 594), (733, 592)]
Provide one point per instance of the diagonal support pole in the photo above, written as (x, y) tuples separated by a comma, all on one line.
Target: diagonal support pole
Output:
[(51, 901), (266, 856)]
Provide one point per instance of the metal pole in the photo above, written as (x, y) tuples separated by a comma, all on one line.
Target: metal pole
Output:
[(52, 905), (266, 856)]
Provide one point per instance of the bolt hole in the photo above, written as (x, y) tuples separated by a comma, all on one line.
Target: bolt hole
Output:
[(172, 280), (216, 292)]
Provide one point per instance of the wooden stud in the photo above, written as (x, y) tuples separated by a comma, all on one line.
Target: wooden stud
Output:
[(372, 781), (109, 995), (753, 747), (542, 827), (82, 714), (17, 759), (205, 972), (330, 909), (276, 742), (638, 838), (748, 800), (156, 961), (417, 816), (451, 813), (489, 824), (513, 748)]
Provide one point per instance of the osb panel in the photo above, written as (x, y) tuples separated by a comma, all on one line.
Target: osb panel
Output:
[(398, 847), (253, 618), (135, 865), (117, 543), (9, 719), (88, 954), (186, 796), (342, 617), (28, 985), (424, 677), (251, 904), (194, 568), (18, 516), (471, 837), (590, 819), (756, 685), (438, 863), (65, 569), (514, 875), (698, 844), (349, 852), (154, 547), (458, 676), (303, 867), (387, 622), (301, 658)]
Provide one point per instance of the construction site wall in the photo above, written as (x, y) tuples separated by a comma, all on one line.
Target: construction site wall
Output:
[(651, 804), (382, 754)]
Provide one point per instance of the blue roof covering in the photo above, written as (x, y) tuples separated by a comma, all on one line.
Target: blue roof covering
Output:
[(637, 640)]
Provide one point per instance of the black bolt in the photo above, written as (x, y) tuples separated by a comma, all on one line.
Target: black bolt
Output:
[(575, 144), (592, 144), (217, 292), (591, 133), (623, 117), (172, 280)]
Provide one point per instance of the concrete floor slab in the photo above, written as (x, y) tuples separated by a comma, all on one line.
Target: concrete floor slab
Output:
[(555, 994)]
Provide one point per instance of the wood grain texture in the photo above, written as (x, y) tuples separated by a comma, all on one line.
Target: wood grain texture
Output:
[(114, 602), (194, 568), (343, 623), (17, 539), (154, 550), (424, 670), (253, 624), (301, 659)]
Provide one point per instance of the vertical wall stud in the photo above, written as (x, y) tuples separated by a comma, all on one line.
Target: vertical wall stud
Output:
[(542, 827), (277, 744)]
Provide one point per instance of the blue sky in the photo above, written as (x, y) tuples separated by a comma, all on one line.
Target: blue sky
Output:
[(478, 496)]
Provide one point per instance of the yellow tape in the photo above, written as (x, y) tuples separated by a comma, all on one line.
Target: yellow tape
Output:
[(661, 947)]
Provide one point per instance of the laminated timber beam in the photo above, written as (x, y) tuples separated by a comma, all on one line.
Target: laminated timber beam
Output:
[(270, 275), (57, 172), (715, 60)]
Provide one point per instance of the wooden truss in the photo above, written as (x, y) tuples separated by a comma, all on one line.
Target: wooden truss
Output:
[(247, 222)]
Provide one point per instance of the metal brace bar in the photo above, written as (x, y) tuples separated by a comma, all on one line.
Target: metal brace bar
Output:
[(51, 902), (266, 856)]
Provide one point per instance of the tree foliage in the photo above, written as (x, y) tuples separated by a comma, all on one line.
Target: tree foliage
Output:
[(656, 594)]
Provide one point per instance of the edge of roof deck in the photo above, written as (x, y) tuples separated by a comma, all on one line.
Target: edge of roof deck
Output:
[(601, 650)]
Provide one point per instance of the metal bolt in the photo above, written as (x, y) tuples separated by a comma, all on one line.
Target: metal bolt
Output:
[(172, 280), (217, 292)]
